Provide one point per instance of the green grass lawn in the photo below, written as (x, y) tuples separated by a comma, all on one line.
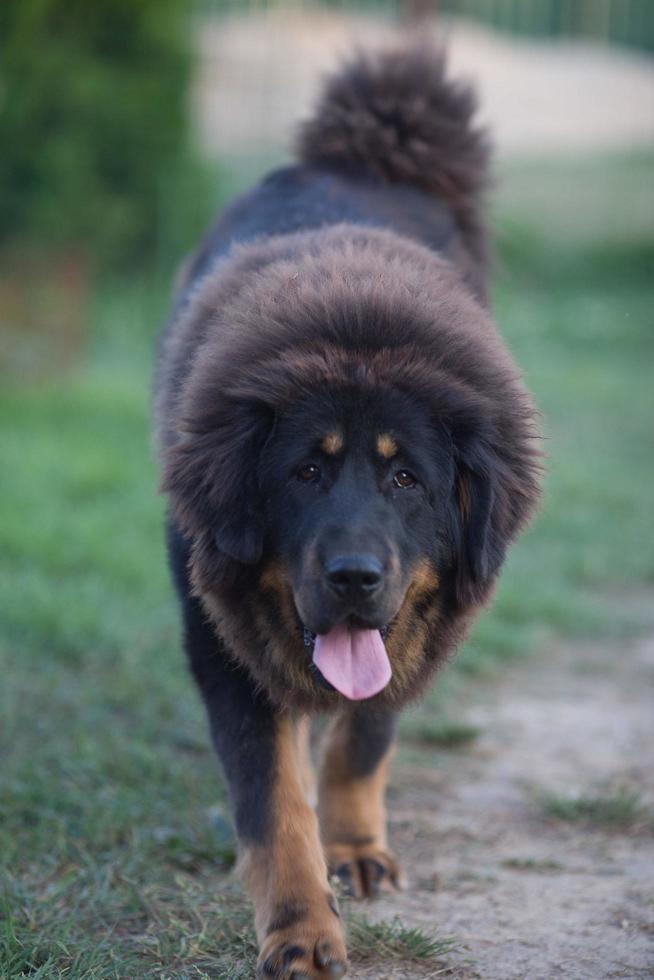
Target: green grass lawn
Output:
[(111, 866)]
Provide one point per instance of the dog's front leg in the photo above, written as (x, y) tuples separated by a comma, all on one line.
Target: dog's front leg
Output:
[(351, 806), (297, 918), (296, 915)]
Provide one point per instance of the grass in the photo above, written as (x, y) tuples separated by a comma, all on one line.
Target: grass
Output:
[(532, 864), (442, 734), (111, 863), (619, 810), (392, 940), (118, 927)]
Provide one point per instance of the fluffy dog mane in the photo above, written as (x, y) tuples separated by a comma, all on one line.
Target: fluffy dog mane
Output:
[(347, 306), (340, 307)]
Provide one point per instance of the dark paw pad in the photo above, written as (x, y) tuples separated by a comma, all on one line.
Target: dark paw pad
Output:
[(322, 958), (365, 872)]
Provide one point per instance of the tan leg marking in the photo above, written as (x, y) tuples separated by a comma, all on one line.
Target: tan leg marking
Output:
[(304, 763), (296, 915), (352, 816)]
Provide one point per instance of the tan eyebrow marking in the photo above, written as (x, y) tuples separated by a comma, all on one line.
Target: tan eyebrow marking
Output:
[(332, 443), (386, 446)]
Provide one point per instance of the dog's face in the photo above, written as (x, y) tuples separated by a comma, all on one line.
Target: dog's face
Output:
[(357, 492), (345, 511)]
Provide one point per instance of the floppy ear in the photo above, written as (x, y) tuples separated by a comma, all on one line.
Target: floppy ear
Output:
[(480, 545), (211, 476)]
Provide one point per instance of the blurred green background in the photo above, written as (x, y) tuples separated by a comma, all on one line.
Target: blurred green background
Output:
[(123, 126)]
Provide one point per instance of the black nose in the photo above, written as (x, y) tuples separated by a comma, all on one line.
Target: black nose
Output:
[(354, 575)]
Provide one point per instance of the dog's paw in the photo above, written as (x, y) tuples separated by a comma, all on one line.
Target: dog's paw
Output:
[(303, 952), (364, 871)]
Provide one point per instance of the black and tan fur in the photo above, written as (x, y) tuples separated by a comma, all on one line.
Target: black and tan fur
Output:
[(343, 301)]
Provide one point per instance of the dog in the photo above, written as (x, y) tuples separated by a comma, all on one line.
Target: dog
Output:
[(347, 450)]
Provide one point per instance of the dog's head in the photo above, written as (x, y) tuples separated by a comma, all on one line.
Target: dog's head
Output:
[(369, 442), (358, 497)]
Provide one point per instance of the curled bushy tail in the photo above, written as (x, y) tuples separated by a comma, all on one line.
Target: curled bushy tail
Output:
[(395, 115)]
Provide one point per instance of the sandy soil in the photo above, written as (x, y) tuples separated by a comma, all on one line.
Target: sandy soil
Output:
[(530, 896)]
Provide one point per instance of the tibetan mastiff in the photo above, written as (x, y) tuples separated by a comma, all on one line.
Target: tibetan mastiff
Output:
[(347, 451)]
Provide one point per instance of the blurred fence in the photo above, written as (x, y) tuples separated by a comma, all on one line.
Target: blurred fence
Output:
[(628, 22), (259, 67)]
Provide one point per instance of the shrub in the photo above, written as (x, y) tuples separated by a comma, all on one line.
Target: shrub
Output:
[(93, 120)]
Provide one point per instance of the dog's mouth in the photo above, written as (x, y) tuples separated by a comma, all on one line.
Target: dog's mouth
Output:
[(351, 659)]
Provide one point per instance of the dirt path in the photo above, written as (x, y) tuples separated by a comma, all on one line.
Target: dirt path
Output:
[(528, 895)]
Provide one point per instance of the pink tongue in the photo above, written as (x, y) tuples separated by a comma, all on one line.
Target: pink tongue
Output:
[(354, 661)]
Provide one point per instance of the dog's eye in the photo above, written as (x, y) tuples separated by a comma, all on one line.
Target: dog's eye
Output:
[(308, 473), (404, 479)]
